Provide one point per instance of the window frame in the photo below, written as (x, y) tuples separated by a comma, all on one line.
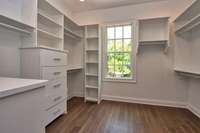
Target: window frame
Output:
[(134, 39)]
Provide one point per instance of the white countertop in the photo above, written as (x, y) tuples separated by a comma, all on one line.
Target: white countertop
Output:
[(12, 86)]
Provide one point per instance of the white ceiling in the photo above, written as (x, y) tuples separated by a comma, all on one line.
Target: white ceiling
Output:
[(77, 6)]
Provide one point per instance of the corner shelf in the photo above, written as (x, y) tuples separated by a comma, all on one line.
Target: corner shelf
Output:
[(72, 34)]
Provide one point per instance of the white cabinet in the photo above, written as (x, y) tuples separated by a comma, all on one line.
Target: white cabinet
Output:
[(50, 65), (19, 108)]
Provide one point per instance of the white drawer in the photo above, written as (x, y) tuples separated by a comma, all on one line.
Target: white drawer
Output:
[(52, 73), (53, 58), (55, 112), (56, 92)]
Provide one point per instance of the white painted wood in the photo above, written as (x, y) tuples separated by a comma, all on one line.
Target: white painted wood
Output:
[(55, 112), (154, 31), (50, 25), (51, 58), (52, 73), (12, 86), (187, 42), (56, 92), (20, 112), (93, 63), (47, 64)]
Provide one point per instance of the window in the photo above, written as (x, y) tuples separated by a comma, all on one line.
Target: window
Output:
[(119, 56)]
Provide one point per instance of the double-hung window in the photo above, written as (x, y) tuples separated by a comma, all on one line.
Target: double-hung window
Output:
[(119, 55)]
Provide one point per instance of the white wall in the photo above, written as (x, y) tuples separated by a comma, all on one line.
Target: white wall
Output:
[(157, 83)]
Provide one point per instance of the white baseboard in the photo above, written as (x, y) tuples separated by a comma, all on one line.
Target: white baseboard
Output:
[(75, 94), (145, 101), (194, 110)]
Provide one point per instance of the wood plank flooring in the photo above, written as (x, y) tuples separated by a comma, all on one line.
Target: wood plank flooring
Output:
[(117, 117)]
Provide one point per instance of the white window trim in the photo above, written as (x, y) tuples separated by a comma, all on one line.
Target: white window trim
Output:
[(134, 51)]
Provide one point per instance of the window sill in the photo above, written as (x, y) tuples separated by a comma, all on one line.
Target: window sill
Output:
[(132, 81)]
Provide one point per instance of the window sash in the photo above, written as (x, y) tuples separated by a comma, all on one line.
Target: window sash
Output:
[(119, 52)]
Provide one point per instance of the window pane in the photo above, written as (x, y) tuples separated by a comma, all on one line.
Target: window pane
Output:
[(111, 71), (118, 32), (118, 46), (111, 46), (127, 45), (110, 33), (119, 58), (127, 32), (111, 59), (127, 59), (127, 71), (118, 71)]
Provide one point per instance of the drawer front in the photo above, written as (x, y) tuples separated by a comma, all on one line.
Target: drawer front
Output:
[(56, 92), (52, 73), (55, 112), (53, 58)]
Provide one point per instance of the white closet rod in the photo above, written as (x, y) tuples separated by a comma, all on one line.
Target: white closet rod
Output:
[(14, 28)]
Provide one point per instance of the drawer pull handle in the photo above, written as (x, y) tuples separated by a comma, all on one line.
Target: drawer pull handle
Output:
[(56, 86), (57, 59), (57, 73), (56, 112), (58, 98)]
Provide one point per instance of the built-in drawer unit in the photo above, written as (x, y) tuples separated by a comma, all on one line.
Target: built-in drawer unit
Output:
[(52, 58), (55, 111), (48, 64), (56, 92), (52, 73)]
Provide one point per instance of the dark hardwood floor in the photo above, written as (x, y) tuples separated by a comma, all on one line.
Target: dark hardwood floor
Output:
[(117, 117)]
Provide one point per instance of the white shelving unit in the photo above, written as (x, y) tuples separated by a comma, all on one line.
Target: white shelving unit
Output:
[(187, 42), (189, 19), (50, 24), (92, 63), (154, 31), (73, 43)]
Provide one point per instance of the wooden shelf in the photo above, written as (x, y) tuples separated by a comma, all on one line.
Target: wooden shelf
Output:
[(72, 34), (92, 99), (48, 35), (92, 87), (74, 68), (49, 21), (187, 73), (15, 25), (153, 42), (91, 62), (92, 37), (92, 50), (189, 25), (91, 75)]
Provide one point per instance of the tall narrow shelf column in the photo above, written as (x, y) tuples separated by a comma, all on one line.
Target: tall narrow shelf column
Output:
[(92, 63)]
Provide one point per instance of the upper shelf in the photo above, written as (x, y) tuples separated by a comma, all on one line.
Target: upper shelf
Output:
[(189, 19), (15, 25), (72, 34), (188, 73), (47, 19)]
